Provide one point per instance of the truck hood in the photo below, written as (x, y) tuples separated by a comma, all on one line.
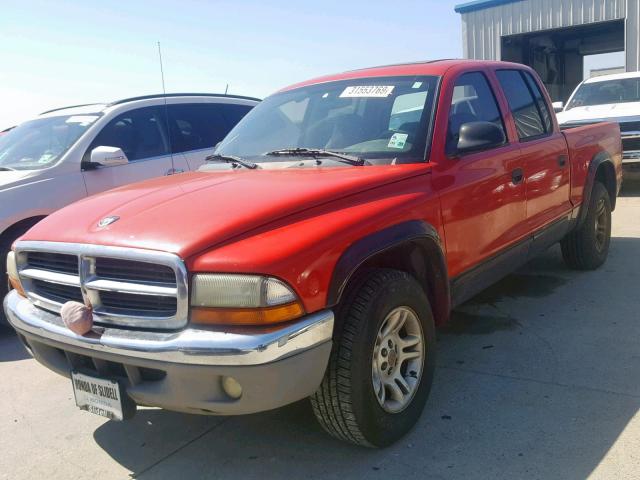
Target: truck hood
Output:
[(615, 112), (191, 212)]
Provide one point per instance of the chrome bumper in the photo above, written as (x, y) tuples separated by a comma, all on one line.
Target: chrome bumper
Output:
[(630, 157), (190, 346)]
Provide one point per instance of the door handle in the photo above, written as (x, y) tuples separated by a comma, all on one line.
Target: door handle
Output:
[(516, 176), (562, 160), (173, 171)]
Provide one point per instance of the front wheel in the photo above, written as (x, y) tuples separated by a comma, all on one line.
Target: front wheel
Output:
[(587, 247), (381, 367)]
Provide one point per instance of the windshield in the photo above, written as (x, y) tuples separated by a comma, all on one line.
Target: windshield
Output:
[(381, 119), (608, 91), (41, 142)]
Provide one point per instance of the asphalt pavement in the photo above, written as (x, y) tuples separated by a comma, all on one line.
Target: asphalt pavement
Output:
[(537, 377)]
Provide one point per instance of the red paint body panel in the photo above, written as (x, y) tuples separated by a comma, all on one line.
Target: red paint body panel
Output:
[(296, 223), (586, 142), (304, 248), (192, 212)]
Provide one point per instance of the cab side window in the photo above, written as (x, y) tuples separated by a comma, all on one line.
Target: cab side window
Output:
[(527, 104), (472, 101), (139, 133)]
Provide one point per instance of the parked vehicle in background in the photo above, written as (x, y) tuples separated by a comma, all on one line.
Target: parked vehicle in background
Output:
[(611, 98), (335, 226), (67, 154)]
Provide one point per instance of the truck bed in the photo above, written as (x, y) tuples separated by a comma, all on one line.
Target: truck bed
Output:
[(587, 141)]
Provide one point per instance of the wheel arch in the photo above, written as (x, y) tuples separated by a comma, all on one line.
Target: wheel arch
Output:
[(601, 169), (413, 247), (18, 228)]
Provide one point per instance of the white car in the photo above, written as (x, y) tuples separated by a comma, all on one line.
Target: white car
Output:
[(614, 98), (67, 154)]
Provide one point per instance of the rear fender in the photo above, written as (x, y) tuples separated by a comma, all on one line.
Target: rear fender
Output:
[(601, 169)]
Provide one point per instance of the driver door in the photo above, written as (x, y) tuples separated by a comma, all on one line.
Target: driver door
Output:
[(141, 136), (482, 192)]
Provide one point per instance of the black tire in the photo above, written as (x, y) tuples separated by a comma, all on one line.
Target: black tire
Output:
[(5, 248), (6, 240), (345, 404), (587, 247)]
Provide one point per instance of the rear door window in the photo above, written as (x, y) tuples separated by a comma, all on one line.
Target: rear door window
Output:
[(233, 113), (525, 108), (196, 126)]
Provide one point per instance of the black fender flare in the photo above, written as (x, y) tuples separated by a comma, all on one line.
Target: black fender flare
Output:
[(601, 159), (414, 232)]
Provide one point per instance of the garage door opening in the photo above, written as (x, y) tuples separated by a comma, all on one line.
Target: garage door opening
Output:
[(558, 55)]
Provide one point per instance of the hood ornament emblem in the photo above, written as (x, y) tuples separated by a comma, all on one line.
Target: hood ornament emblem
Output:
[(106, 221)]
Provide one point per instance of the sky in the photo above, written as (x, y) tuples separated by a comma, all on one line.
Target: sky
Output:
[(60, 53)]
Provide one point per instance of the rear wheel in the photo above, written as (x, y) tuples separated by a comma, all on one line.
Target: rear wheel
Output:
[(587, 247), (381, 367)]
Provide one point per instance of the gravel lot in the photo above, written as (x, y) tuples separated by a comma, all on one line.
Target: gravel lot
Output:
[(538, 377)]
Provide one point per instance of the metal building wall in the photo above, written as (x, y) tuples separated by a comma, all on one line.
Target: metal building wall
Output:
[(482, 28)]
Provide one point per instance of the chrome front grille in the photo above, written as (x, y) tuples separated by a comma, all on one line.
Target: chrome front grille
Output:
[(125, 287), (117, 269), (55, 262)]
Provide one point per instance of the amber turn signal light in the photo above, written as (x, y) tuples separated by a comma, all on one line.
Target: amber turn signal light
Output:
[(246, 316), (17, 287)]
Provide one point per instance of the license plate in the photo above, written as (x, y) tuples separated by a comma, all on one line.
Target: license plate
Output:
[(97, 395)]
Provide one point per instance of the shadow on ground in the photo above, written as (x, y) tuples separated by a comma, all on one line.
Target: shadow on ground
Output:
[(533, 381), (631, 186), (10, 349)]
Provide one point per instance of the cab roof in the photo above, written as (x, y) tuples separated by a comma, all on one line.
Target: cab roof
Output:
[(425, 67)]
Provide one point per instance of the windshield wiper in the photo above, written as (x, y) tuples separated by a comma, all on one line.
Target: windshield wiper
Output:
[(6, 169), (231, 159), (317, 152)]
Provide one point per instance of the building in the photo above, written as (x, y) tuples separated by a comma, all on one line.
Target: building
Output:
[(596, 72), (552, 36)]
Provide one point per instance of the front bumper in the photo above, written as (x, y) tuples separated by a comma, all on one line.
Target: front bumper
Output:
[(631, 157), (183, 370)]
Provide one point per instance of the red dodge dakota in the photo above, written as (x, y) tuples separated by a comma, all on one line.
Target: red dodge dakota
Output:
[(314, 254)]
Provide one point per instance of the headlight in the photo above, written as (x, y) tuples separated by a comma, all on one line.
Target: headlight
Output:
[(12, 273), (242, 300)]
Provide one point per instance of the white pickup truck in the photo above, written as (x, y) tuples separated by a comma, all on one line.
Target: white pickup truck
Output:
[(67, 154), (612, 98)]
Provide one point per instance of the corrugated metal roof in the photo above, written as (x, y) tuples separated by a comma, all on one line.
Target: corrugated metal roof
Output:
[(482, 29), (480, 4)]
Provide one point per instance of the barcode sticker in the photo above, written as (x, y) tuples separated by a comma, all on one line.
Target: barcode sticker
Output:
[(364, 91)]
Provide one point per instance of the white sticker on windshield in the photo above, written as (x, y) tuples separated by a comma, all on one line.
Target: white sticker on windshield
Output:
[(416, 85), (398, 140), (81, 119), (364, 91)]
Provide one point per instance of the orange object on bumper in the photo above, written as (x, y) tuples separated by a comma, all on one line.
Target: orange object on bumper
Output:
[(15, 284)]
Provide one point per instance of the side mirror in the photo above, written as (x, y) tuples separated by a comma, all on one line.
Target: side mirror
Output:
[(108, 156), (479, 136), (557, 106)]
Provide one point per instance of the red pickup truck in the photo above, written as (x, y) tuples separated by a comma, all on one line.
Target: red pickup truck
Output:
[(313, 256)]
